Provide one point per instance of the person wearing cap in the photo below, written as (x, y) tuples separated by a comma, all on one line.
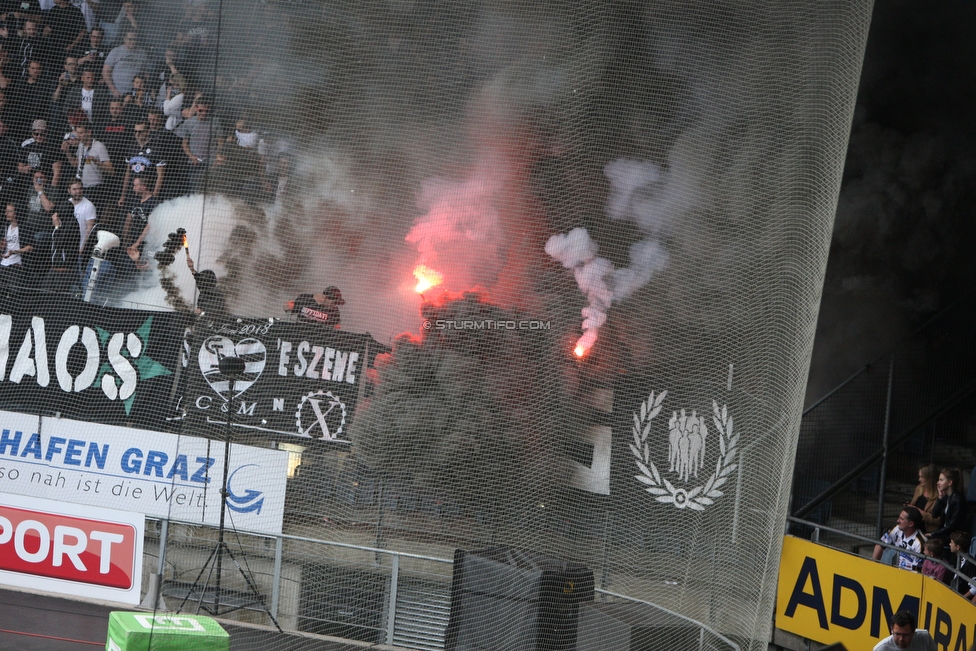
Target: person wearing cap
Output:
[(318, 308), (40, 153)]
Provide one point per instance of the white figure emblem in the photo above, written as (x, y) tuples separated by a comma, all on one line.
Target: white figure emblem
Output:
[(687, 437), (686, 443)]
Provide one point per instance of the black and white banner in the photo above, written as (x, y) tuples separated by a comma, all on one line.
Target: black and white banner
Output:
[(299, 380), (62, 356)]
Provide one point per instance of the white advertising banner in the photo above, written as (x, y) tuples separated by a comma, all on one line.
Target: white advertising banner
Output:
[(157, 474), (71, 549)]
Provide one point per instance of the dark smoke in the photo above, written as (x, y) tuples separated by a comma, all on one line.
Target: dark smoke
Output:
[(470, 414), (174, 297), (906, 220)]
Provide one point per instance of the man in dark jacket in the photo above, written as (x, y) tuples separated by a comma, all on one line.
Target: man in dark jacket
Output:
[(88, 97), (65, 242), (211, 301)]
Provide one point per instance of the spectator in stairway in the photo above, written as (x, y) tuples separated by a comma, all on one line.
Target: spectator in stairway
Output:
[(115, 131), (10, 180), (36, 214), (122, 64), (92, 53), (951, 505), (65, 244), (40, 153), (959, 543), (31, 47), (202, 140), (169, 148), (30, 99), (92, 164), (140, 97), (930, 566), (64, 27), (172, 101), (17, 245), (926, 495), (86, 95), (16, 15), (906, 535), (142, 159), (905, 636)]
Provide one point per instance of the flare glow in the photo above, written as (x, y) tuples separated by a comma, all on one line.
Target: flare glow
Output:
[(426, 278)]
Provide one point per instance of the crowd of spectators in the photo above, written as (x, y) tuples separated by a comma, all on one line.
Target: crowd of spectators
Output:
[(97, 128), (933, 527)]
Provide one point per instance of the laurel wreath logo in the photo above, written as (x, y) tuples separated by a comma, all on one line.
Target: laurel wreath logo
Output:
[(699, 497)]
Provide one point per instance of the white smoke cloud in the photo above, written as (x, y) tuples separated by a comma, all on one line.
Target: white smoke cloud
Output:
[(190, 213), (638, 193)]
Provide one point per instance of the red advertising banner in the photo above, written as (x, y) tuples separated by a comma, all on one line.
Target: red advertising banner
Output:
[(70, 548), (64, 547)]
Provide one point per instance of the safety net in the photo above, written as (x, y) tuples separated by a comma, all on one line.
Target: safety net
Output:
[(445, 324)]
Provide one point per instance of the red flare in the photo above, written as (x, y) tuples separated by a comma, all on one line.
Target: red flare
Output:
[(426, 278)]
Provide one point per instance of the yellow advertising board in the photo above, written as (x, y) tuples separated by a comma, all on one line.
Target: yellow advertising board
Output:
[(831, 596)]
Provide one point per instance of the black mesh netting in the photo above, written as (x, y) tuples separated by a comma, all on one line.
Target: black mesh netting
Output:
[(537, 281)]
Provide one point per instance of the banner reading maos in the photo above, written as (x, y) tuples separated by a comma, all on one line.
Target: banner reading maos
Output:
[(299, 380), (113, 366)]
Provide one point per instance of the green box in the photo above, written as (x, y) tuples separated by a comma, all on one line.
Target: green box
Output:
[(135, 631)]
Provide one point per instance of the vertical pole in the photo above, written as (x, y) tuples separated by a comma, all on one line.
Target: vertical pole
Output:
[(223, 493), (738, 492), (276, 586), (391, 609), (361, 391), (220, 528), (380, 541), (163, 535), (884, 446), (605, 580)]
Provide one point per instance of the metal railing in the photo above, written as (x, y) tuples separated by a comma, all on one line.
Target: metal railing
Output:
[(816, 538), (414, 590), (862, 442), (708, 638)]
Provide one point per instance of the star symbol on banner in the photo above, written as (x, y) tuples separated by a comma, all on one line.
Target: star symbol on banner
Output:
[(146, 367)]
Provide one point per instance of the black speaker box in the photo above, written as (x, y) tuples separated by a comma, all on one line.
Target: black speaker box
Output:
[(503, 598)]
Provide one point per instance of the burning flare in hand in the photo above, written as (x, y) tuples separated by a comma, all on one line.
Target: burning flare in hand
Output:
[(426, 278)]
